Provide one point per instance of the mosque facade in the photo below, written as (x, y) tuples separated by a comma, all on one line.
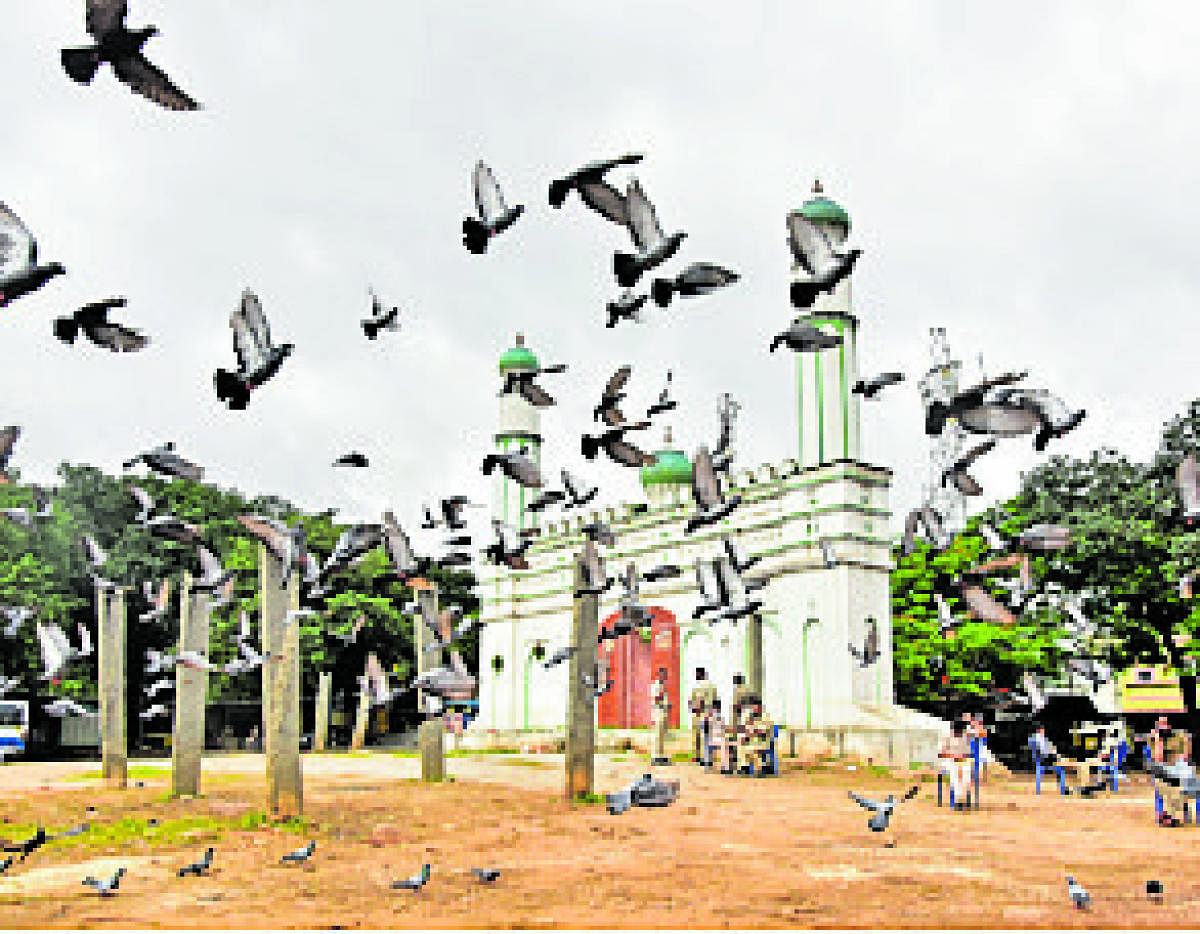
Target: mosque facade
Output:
[(795, 651)]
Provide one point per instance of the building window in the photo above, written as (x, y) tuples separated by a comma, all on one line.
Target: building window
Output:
[(497, 663), (539, 652)]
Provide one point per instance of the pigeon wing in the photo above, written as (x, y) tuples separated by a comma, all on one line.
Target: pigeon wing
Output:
[(18, 251), (984, 606), (606, 201), (628, 454), (151, 82), (267, 534), (704, 480), (643, 221), (117, 338), (865, 802), (251, 333), (489, 200), (617, 382), (810, 245)]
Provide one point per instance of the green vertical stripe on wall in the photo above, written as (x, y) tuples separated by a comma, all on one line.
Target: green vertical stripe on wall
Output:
[(820, 407), (800, 402), (842, 393)]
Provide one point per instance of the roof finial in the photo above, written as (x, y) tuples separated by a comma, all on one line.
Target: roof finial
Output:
[(817, 189), (520, 340), (667, 435)]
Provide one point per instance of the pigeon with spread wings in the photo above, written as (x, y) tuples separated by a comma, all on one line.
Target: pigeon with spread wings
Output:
[(122, 48), (628, 306), (516, 465), (164, 460), (696, 279), (607, 410), (706, 490), (653, 247), (20, 272), (92, 319), (815, 253), (381, 318), (595, 192), (803, 337), (493, 215), (259, 358), (957, 472), (869, 388)]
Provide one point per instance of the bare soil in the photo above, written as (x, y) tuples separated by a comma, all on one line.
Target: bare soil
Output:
[(732, 852)]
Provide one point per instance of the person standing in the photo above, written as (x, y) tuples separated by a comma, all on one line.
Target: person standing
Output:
[(954, 759), (716, 739), (1171, 752), (740, 694), (704, 694), (660, 706)]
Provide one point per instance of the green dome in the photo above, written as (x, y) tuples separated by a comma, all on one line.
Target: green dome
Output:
[(668, 467), (824, 211), (519, 357)]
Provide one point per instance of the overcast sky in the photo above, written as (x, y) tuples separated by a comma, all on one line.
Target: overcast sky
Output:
[(1022, 174)]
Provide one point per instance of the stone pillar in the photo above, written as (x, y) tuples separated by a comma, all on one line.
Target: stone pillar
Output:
[(321, 714), (754, 660), (191, 687), (430, 734), (362, 718), (110, 637), (581, 700), (281, 686)]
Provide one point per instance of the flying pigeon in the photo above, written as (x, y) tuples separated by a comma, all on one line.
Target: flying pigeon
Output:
[(522, 382), (414, 883), (160, 685), (870, 650), (56, 649), (736, 592), (258, 357), (546, 498), (289, 545), (665, 403), (957, 472), (158, 600), (1187, 480), (595, 579), (599, 532), (381, 319), (199, 867), (803, 337), (580, 495), (827, 555), (122, 49), (662, 572), (1079, 895), (516, 465), (984, 606), (971, 407), (736, 557), (869, 388), (399, 550), (145, 502), (353, 459), (706, 490), (164, 460), (653, 248), (627, 307), (194, 660), (6, 864), (722, 455), (486, 875), (300, 855), (1046, 537), (175, 529), (595, 192), (493, 215), (613, 443), (92, 319), (881, 811), (1053, 417), (22, 515), (17, 615), (9, 435), (352, 546), (508, 548), (215, 576), (7, 684), (20, 272), (65, 707), (696, 279), (607, 410), (158, 710), (816, 254)]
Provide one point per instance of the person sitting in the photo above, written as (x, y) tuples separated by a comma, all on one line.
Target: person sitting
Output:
[(1043, 748), (761, 732), (954, 759), (1173, 774), (716, 740)]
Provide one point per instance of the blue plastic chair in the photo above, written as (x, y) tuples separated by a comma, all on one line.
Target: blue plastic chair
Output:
[(1114, 768), (774, 757), (973, 795)]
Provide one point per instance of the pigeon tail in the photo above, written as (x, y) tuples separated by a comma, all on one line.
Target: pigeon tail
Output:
[(81, 64), (559, 189), (371, 329), (663, 291), (231, 389), (803, 294), (475, 236), (66, 330), (627, 269)]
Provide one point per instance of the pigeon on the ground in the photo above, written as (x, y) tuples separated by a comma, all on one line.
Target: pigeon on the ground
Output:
[(6, 864), (957, 472), (869, 388), (580, 494), (664, 403), (259, 358), (381, 319), (353, 459), (627, 307), (20, 272), (653, 248), (27, 846), (414, 883), (106, 886), (164, 460), (696, 279), (122, 48), (814, 252), (607, 409), (803, 337), (595, 192), (9, 435), (706, 490), (516, 465), (493, 215), (199, 867), (92, 319), (1154, 889), (1079, 895), (486, 875), (301, 855), (869, 654)]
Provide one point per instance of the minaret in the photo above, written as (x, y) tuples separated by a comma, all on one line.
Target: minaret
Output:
[(520, 426), (828, 412)]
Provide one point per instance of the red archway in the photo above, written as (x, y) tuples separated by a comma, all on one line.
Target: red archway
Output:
[(632, 664)]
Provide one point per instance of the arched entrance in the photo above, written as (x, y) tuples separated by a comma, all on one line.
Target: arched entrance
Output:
[(632, 663)]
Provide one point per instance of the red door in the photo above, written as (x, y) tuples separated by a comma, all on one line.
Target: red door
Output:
[(632, 664)]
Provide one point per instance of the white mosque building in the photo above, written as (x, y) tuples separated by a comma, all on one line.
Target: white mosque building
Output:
[(794, 651)]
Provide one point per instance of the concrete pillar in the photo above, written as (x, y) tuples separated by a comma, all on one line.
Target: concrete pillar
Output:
[(110, 637), (581, 700), (430, 735), (754, 659), (281, 681), (321, 714), (191, 687), (363, 716)]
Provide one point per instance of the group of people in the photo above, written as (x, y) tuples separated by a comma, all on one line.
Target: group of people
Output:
[(738, 743)]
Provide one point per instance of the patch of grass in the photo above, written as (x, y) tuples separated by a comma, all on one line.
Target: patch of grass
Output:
[(136, 771), (181, 831), (534, 763), (681, 757), (879, 771), (589, 798)]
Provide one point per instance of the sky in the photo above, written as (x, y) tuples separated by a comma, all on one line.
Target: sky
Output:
[(1021, 174)]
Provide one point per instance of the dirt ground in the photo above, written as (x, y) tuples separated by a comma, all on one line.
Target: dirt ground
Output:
[(787, 852)]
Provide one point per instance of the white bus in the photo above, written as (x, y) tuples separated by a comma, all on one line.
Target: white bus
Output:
[(14, 726)]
